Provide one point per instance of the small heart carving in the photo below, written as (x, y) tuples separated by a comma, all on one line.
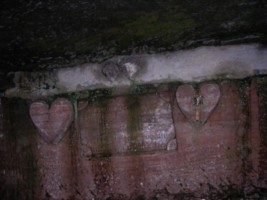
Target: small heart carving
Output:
[(197, 106), (52, 123)]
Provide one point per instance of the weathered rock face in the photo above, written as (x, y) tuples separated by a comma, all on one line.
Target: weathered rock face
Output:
[(195, 65), (153, 125), (143, 146), (37, 35)]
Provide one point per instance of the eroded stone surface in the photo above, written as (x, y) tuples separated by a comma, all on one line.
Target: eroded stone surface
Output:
[(197, 106), (195, 65), (56, 165), (124, 125), (223, 159), (212, 153), (52, 122), (206, 160), (45, 34)]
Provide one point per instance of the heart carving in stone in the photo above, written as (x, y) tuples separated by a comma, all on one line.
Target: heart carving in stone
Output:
[(52, 122), (197, 105)]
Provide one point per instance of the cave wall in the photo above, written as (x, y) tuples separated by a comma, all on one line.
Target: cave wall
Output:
[(141, 146), (44, 35), (194, 65)]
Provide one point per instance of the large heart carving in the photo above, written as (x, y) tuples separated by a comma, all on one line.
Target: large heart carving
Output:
[(197, 105), (52, 123)]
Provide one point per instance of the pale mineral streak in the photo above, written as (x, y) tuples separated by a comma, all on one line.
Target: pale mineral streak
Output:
[(193, 65)]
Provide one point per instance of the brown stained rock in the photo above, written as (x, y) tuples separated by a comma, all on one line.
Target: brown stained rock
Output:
[(128, 125), (222, 159), (209, 154), (253, 166), (208, 159), (56, 170), (52, 122), (203, 160)]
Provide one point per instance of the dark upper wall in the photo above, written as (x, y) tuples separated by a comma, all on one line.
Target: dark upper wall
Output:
[(37, 35)]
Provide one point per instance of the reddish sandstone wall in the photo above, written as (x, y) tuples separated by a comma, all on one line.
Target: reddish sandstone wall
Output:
[(141, 146)]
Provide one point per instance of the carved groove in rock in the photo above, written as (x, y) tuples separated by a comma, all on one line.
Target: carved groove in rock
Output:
[(197, 105), (52, 122)]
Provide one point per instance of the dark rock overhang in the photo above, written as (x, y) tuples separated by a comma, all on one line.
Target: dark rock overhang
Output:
[(43, 35)]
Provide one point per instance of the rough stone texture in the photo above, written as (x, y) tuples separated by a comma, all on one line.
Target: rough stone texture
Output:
[(223, 159), (18, 167), (195, 65), (38, 35), (210, 153), (263, 129), (127, 125), (56, 170), (53, 122)]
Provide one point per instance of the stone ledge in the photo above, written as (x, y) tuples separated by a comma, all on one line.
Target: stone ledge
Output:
[(195, 65)]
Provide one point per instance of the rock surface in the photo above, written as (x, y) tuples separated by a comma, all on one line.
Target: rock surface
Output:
[(141, 146), (37, 35), (53, 122), (194, 65)]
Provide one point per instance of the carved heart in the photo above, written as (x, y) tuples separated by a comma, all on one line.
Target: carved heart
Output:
[(52, 123), (210, 97), (198, 105)]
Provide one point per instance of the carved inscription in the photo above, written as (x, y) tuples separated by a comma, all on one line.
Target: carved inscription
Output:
[(125, 125)]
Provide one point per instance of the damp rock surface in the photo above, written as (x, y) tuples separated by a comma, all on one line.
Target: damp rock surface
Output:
[(141, 146)]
